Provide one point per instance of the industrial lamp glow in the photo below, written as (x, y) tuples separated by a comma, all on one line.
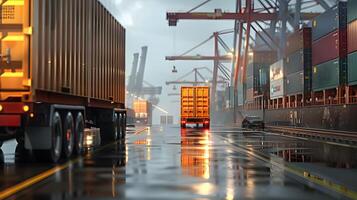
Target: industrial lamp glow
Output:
[(1, 108), (25, 108)]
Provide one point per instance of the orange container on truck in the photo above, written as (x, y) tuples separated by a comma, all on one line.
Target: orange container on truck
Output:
[(62, 76), (143, 112), (195, 106)]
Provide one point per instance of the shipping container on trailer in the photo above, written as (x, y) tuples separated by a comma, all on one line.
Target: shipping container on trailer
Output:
[(143, 112), (326, 75), (195, 106), (352, 68), (63, 73), (330, 20), (351, 10), (352, 36)]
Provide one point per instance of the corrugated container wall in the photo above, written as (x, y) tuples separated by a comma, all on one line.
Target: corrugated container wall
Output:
[(298, 40), (265, 57), (352, 68), (326, 75), (352, 36), (78, 49), (326, 48), (330, 43), (329, 21), (300, 62), (352, 10), (261, 79), (294, 83)]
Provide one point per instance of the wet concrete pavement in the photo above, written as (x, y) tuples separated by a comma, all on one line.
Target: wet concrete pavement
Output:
[(165, 163)]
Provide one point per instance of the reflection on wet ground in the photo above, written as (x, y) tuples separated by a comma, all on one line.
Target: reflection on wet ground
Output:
[(167, 163)]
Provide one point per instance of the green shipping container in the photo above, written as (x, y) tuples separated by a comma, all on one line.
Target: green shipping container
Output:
[(326, 75), (351, 10), (352, 68)]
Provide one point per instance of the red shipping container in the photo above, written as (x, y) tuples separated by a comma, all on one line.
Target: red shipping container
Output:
[(352, 36), (326, 48)]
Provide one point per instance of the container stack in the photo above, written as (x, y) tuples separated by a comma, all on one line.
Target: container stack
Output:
[(249, 95), (329, 48), (298, 65), (277, 80), (257, 81), (352, 42)]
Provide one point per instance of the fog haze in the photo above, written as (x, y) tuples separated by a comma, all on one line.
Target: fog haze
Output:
[(146, 24)]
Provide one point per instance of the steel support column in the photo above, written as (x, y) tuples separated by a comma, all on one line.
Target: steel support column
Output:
[(215, 71)]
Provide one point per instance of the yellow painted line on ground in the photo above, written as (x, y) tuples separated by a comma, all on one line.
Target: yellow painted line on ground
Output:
[(31, 181), (141, 130), (42, 176), (340, 189)]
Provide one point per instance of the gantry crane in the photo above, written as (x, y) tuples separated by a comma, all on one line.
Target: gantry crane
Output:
[(136, 79), (269, 12), (217, 58), (199, 79)]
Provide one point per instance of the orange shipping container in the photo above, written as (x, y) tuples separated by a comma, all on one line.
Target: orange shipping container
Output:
[(195, 106)]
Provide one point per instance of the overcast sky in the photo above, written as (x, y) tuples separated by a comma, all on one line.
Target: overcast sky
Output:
[(145, 23)]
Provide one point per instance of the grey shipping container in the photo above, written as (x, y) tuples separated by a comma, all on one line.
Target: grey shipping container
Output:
[(261, 79), (352, 10), (267, 57), (352, 68), (294, 62), (250, 69), (294, 83), (326, 75), (329, 21), (300, 61), (249, 82)]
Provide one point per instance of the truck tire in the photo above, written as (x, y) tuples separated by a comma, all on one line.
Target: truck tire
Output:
[(79, 134), (68, 136), (54, 153), (116, 129)]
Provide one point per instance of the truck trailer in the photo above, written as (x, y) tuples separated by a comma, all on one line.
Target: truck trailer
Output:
[(62, 74), (143, 112), (195, 106)]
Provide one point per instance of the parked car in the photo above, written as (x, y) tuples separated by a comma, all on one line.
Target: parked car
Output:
[(252, 122)]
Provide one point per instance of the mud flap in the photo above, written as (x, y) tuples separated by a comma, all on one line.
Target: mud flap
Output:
[(38, 138)]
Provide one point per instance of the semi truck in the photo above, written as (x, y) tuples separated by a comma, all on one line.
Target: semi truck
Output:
[(143, 112), (195, 106), (62, 75)]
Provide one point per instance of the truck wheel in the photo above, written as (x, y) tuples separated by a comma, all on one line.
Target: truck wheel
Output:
[(123, 126), (79, 134), (116, 129), (53, 154), (68, 135), (207, 126)]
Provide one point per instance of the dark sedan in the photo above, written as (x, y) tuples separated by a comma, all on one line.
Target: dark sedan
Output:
[(253, 122)]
